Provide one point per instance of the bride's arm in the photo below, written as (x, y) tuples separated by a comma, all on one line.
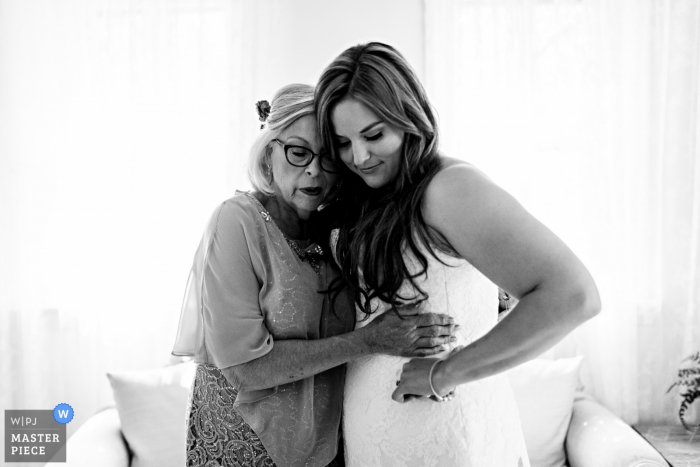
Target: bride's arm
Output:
[(492, 231)]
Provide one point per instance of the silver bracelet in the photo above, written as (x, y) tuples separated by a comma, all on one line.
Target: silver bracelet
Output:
[(439, 398)]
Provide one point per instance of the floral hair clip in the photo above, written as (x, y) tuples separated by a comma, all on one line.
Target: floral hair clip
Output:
[(263, 108)]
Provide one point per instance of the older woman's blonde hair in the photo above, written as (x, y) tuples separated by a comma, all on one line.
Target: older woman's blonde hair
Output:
[(288, 105)]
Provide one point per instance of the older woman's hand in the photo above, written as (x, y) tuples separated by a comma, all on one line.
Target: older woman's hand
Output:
[(413, 334)]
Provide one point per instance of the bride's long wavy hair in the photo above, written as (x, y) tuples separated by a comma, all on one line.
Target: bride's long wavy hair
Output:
[(378, 225)]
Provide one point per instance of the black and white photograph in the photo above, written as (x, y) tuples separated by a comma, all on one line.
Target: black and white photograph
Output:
[(350, 233)]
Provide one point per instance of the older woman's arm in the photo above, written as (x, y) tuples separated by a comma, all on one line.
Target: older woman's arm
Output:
[(490, 229), (292, 360), (236, 336)]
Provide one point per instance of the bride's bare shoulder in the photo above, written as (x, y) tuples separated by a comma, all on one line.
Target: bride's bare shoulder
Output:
[(458, 189), (456, 178), (448, 162)]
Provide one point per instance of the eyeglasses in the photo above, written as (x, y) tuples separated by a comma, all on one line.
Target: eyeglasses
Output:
[(299, 156)]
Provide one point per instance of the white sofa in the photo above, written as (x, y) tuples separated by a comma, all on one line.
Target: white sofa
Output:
[(592, 435)]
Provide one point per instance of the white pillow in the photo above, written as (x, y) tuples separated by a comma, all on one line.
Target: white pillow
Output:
[(544, 393), (152, 407)]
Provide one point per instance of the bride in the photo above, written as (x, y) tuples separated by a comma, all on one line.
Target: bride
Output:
[(421, 227)]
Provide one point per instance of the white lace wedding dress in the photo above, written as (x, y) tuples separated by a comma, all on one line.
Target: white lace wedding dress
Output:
[(480, 427)]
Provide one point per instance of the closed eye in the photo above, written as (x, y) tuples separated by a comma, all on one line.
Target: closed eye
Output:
[(374, 137), (342, 144)]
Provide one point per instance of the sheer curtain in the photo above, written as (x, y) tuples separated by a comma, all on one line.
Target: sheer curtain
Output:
[(588, 112), (122, 126), (123, 123)]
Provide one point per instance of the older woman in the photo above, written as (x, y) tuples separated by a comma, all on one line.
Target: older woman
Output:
[(269, 344)]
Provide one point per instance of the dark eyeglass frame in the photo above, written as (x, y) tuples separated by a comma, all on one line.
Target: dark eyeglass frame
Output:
[(287, 147)]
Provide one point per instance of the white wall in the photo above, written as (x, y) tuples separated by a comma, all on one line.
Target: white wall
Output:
[(304, 36), (122, 124)]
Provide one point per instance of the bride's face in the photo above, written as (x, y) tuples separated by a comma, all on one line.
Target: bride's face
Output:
[(367, 145)]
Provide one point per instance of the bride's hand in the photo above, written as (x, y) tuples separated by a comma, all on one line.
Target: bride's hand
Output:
[(414, 334), (415, 380)]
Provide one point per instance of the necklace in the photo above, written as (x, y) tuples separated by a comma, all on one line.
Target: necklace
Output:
[(310, 253)]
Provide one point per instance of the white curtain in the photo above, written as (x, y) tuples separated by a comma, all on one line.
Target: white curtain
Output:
[(122, 125), (588, 112)]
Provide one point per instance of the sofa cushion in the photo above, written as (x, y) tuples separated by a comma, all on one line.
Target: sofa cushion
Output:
[(544, 392), (152, 406)]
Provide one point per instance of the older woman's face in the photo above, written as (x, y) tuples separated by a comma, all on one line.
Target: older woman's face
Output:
[(302, 188)]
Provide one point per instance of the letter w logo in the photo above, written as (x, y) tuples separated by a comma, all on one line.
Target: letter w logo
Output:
[(63, 414)]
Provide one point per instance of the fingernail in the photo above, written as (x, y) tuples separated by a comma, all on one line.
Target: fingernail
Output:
[(453, 338), (457, 326), (442, 348)]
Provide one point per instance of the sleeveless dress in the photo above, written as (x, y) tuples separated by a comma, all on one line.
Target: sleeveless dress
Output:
[(480, 427)]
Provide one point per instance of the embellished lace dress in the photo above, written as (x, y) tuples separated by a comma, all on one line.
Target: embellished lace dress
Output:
[(250, 286), (480, 427)]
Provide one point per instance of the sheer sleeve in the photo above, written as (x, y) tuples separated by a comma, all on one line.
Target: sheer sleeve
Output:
[(233, 323)]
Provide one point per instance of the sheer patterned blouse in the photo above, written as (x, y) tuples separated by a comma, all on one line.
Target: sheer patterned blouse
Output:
[(248, 287)]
